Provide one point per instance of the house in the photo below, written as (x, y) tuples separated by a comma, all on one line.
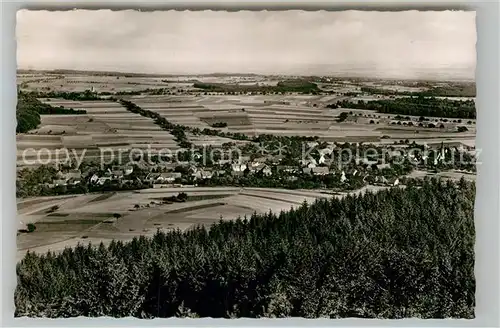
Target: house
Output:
[(369, 162), (256, 168), (222, 162), (343, 177), (257, 162), (262, 168), (128, 170), (310, 163), (151, 177), (103, 180), (322, 159), (220, 172), (117, 174), (203, 174), (238, 167), (71, 174), (311, 144), (440, 156), (168, 177), (320, 170), (94, 178), (267, 171), (73, 181), (324, 155), (325, 151), (59, 182), (287, 168), (383, 166)]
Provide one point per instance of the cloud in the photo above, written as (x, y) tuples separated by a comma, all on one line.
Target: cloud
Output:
[(289, 42)]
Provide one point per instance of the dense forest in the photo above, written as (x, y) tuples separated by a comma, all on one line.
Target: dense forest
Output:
[(402, 252), (418, 106), (29, 109), (452, 90), (68, 95), (27, 115)]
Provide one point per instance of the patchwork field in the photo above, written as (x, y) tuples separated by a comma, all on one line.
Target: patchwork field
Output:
[(248, 113), (251, 115), (106, 128), (82, 82), (92, 217), (292, 115)]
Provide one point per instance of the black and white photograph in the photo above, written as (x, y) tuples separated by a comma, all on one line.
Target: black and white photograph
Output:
[(246, 164)]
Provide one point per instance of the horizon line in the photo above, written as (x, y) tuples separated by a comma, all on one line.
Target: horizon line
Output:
[(346, 75)]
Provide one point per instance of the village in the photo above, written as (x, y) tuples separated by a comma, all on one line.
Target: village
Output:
[(337, 166)]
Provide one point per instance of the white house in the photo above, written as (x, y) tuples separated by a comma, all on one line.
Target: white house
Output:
[(151, 177), (310, 163), (383, 166), (168, 177), (117, 174), (128, 170), (322, 159), (221, 162), (258, 162), (262, 168), (202, 174), (94, 178), (60, 182), (102, 180), (320, 170), (287, 168), (238, 167), (343, 177), (325, 151)]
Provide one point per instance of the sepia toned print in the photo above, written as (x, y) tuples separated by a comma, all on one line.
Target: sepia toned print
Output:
[(263, 164)]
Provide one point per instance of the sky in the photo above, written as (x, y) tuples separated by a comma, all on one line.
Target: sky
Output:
[(383, 44)]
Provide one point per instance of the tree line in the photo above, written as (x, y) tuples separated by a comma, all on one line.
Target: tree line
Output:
[(177, 130), (402, 252), (451, 90), (417, 106)]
